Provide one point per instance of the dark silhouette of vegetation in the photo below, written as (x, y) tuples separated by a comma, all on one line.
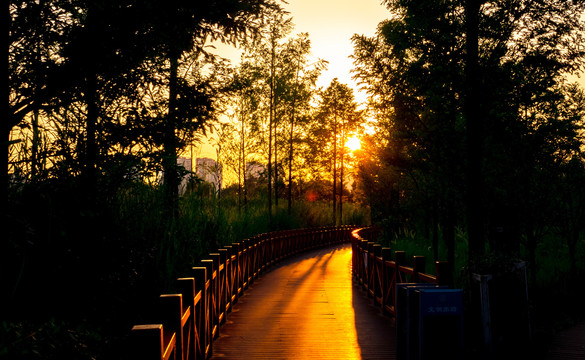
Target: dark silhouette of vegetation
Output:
[(476, 151), (477, 126), (273, 87), (337, 116)]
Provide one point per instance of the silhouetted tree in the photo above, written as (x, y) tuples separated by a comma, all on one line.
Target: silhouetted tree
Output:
[(297, 83), (453, 78), (337, 112), (186, 26)]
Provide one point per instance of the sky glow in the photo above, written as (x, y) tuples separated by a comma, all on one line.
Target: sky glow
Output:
[(330, 24)]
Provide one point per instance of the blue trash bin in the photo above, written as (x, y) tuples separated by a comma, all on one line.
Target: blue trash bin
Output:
[(406, 313), (439, 323)]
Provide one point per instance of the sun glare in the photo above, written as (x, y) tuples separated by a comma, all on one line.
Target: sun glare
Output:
[(353, 143)]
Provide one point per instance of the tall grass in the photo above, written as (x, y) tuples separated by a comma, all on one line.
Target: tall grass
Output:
[(414, 243), (206, 223)]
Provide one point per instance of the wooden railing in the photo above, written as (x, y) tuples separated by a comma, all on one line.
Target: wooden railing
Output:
[(191, 318), (379, 269)]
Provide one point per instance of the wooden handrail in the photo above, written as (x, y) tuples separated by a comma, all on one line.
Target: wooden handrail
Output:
[(375, 270), (192, 318)]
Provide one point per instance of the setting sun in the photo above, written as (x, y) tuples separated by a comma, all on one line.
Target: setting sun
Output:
[(353, 143)]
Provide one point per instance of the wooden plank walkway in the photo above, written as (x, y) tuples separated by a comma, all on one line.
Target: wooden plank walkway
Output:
[(568, 344), (306, 308)]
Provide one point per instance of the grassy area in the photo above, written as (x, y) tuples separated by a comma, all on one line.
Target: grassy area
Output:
[(416, 244)]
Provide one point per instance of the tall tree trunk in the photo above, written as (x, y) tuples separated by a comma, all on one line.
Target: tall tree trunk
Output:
[(243, 160), (270, 124), (275, 159), (90, 171), (34, 167), (474, 135), (341, 176), (171, 176), (291, 146), (335, 171), (290, 159), (5, 180), (241, 165)]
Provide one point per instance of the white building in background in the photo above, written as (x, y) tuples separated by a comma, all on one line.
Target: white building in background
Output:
[(187, 164), (210, 171), (206, 169), (254, 170)]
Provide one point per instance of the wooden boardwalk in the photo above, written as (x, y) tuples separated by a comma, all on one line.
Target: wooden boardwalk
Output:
[(306, 308), (569, 344)]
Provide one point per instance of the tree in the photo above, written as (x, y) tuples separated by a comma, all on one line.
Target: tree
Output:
[(297, 81), (336, 116), (244, 141), (188, 26), (425, 77)]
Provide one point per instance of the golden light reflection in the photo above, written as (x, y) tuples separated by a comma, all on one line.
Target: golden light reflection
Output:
[(320, 307)]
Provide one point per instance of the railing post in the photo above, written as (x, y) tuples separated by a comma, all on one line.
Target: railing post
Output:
[(205, 347), (225, 292), (219, 287), (270, 254), (365, 262), (239, 279), (147, 343), (400, 260), (245, 263), (212, 292), (371, 268), (379, 268), (444, 275), (418, 266), (231, 278), (186, 287), (354, 258), (253, 257), (387, 278), (171, 311)]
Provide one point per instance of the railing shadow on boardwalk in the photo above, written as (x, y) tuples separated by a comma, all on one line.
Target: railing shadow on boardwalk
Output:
[(376, 341), (191, 319)]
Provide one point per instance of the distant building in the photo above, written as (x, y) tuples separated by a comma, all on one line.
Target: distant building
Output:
[(186, 163), (210, 171), (254, 170)]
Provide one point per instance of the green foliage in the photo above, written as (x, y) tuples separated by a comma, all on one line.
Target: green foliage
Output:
[(424, 170), (415, 243), (50, 340), (555, 296)]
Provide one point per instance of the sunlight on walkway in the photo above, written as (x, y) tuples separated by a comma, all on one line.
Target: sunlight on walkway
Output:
[(305, 308)]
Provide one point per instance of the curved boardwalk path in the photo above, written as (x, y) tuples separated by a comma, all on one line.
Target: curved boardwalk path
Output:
[(306, 308)]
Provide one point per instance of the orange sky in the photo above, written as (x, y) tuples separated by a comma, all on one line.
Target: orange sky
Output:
[(330, 24)]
